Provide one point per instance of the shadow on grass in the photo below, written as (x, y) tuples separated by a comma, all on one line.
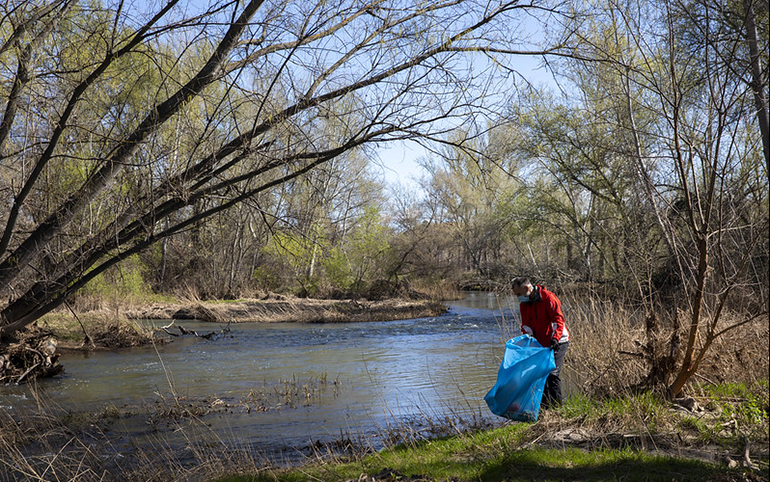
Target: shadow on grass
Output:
[(628, 466)]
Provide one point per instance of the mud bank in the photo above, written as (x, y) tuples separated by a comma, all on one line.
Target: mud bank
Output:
[(280, 308)]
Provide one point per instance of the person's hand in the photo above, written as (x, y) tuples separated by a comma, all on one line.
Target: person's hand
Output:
[(554, 343)]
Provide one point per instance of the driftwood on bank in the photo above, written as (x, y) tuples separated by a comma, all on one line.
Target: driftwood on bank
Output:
[(32, 355)]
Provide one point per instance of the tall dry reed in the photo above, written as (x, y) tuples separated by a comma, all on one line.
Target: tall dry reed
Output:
[(50, 444), (611, 348)]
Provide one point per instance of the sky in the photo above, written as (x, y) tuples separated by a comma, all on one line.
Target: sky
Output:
[(398, 161)]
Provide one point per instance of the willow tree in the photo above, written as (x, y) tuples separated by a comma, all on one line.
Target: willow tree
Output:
[(242, 97)]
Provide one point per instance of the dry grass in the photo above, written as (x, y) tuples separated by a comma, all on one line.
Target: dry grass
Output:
[(279, 308), (442, 289), (609, 341), (50, 444), (103, 329), (93, 330)]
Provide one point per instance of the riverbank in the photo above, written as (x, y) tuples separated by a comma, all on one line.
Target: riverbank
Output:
[(283, 308), (721, 436), (606, 430), (103, 329)]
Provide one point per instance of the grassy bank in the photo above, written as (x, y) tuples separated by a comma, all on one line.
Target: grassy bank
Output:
[(631, 438), (717, 437)]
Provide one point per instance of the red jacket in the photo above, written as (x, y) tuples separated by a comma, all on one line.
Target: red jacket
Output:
[(543, 318)]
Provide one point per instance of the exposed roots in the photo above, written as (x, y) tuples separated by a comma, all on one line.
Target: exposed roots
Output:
[(32, 352)]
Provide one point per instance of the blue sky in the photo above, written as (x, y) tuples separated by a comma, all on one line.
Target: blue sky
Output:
[(398, 161)]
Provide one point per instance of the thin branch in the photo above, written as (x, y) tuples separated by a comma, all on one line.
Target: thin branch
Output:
[(20, 259), (101, 177)]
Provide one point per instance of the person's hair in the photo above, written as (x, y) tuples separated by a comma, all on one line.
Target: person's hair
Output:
[(521, 281)]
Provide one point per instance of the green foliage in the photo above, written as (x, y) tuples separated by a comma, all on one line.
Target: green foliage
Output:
[(366, 248), (742, 408), (266, 279), (296, 252), (753, 411), (338, 269), (351, 264), (734, 413), (125, 280)]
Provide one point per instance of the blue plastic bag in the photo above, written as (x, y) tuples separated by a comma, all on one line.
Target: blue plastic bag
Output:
[(521, 379)]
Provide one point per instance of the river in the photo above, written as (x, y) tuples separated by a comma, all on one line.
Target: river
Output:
[(281, 386)]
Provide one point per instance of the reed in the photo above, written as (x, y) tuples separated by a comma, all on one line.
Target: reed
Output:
[(50, 444), (437, 289), (93, 330), (290, 392), (609, 340)]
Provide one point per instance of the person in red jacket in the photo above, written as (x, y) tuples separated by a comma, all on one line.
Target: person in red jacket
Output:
[(542, 318)]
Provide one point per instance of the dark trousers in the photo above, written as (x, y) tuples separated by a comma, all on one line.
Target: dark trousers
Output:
[(552, 390)]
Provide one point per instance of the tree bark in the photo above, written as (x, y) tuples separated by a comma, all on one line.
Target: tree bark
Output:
[(758, 86)]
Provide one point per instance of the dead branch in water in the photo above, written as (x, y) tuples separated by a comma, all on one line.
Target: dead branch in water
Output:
[(184, 331)]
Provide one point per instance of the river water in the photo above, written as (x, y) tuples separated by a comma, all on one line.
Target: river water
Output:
[(283, 385)]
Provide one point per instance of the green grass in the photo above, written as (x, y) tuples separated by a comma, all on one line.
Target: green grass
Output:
[(640, 413), (734, 390), (743, 413), (495, 456), (505, 454)]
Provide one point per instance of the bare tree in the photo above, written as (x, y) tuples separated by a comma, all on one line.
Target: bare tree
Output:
[(680, 100), (469, 182), (137, 125), (759, 69)]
